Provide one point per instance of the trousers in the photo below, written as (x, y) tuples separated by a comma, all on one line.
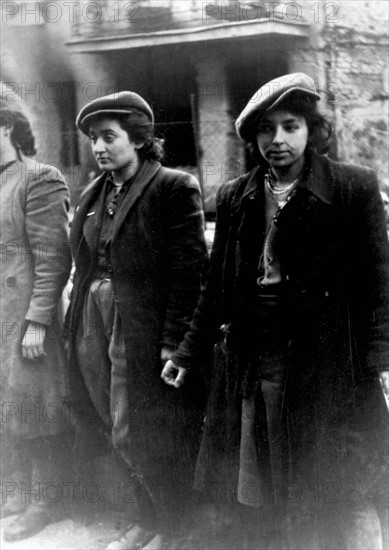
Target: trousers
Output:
[(102, 359)]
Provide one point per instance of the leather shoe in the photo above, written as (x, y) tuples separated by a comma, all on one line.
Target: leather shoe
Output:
[(164, 542), (33, 520), (8, 510), (135, 538)]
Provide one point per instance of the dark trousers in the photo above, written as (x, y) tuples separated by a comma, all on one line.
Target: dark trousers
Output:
[(102, 360)]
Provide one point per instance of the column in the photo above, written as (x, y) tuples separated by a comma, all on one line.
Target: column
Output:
[(94, 77), (220, 151)]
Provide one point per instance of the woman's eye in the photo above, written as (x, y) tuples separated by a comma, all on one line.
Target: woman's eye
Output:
[(263, 129), (291, 128)]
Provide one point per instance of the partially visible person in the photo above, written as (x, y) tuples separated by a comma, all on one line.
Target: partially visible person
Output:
[(385, 200), (297, 299), (139, 252), (34, 201)]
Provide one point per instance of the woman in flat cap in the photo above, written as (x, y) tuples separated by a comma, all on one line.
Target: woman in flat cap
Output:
[(36, 260), (139, 252), (296, 299)]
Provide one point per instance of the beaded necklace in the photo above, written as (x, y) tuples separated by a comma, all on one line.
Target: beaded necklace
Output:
[(277, 191)]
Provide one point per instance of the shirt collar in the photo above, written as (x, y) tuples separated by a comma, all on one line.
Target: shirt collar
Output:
[(109, 178), (318, 178)]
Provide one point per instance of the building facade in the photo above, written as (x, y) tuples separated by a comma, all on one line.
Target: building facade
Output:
[(198, 62)]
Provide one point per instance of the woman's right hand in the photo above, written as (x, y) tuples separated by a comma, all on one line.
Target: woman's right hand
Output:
[(173, 375), (32, 344)]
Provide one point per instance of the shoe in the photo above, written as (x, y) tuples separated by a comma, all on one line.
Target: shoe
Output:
[(33, 520), (135, 538), (8, 510), (165, 542)]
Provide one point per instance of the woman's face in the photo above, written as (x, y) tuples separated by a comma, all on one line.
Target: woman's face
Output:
[(282, 138), (113, 149)]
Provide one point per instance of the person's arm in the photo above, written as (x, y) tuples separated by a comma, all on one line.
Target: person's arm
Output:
[(184, 258), (46, 223), (369, 276), (203, 328)]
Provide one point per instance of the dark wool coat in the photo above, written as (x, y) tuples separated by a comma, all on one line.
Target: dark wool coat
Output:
[(34, 269), (158, 255), (334, 257)]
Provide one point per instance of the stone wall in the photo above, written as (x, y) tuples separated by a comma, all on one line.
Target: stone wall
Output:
[(348, 59), (346, 54)]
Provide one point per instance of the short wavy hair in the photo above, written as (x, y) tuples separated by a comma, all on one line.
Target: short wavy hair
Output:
[(140, 129), (13, 115), (319, 126)]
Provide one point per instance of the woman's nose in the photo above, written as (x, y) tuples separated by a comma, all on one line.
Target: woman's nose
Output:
[(279, 136), (98, 146)]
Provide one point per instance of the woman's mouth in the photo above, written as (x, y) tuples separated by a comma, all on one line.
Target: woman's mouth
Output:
[(278, 153)]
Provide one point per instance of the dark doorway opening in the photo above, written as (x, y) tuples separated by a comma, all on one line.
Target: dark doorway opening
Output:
[(166, 79)]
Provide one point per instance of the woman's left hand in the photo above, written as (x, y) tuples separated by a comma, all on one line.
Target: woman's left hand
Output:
[(173, 375), (32, 344), (384, 379)]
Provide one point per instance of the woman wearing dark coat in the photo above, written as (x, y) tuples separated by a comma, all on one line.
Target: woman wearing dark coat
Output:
[(35, 267), (297, 298), (139, 251)]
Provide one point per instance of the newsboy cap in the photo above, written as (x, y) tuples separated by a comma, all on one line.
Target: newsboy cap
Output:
[(123, 103), (269, 96)]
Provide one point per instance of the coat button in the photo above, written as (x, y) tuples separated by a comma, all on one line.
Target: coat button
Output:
[(10, 281)]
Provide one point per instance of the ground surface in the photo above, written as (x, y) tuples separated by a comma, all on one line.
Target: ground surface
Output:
[(80, 532)]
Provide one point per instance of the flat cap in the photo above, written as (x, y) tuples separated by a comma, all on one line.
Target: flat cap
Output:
[(269, 96), (119, 103)]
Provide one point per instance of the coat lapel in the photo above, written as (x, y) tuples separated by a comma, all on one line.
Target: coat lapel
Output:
[(320, 179), (138, 186), (89, 195), (242, 201)]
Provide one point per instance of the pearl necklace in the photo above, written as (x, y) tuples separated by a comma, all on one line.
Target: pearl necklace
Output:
[(278, 190)]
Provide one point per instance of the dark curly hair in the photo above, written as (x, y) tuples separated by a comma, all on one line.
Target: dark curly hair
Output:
[(319, 127), (22, 137)]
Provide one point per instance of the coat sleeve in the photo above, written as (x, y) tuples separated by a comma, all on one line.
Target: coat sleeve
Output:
[(186, 255), (369, 276), (202, 333), (46, 223)]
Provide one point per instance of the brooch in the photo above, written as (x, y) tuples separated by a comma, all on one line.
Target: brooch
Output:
[(111, 209)]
